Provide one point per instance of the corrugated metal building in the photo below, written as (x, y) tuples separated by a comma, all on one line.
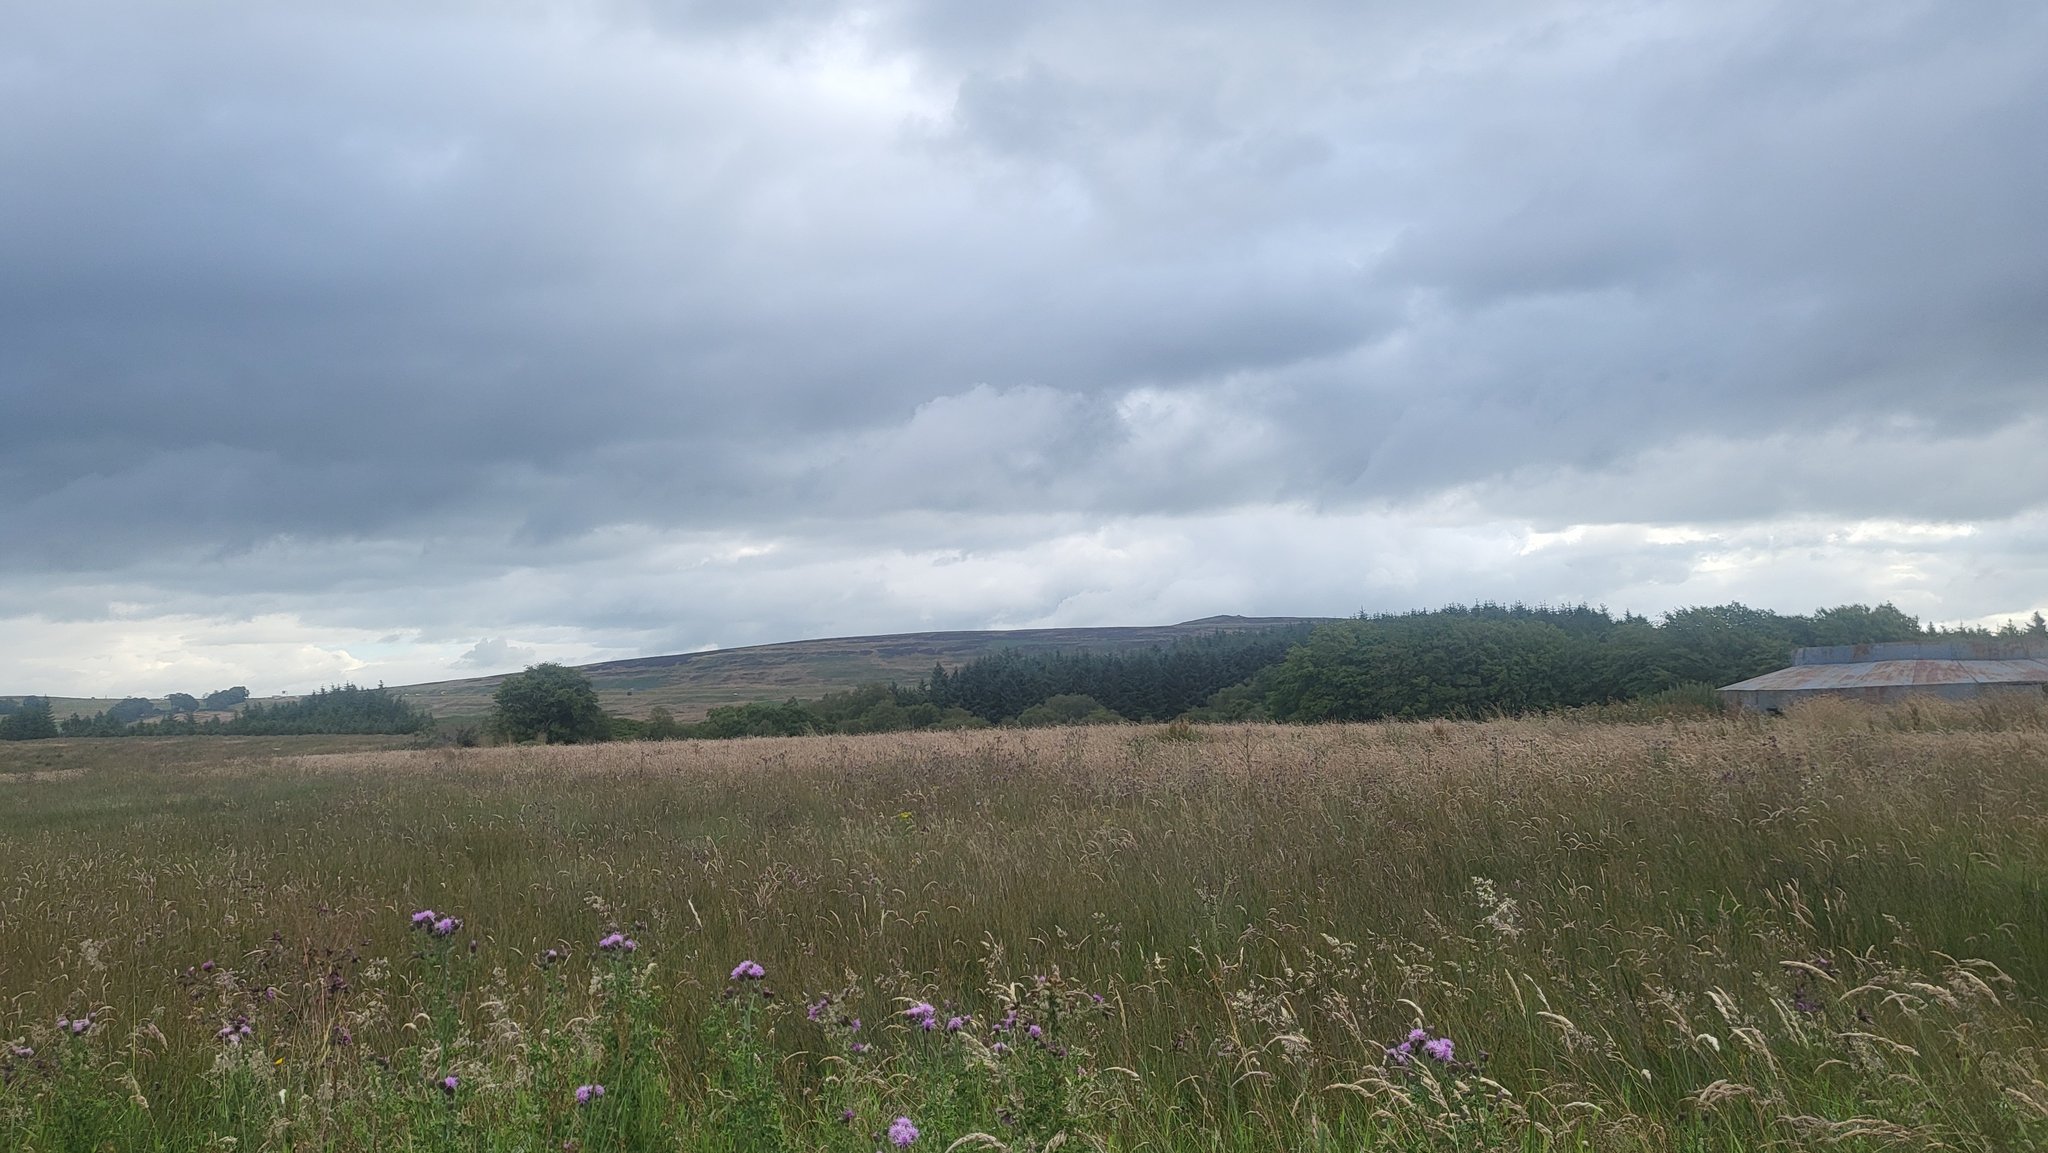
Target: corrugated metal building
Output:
[(1955, 670)]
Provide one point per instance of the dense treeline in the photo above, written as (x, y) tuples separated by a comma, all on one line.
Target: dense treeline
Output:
[(27, 720), (1009, 687), (336, 709), (1154, 685), (1461, 661), (1489, 659)]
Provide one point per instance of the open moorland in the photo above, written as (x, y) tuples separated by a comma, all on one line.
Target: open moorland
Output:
[(1826, 931)]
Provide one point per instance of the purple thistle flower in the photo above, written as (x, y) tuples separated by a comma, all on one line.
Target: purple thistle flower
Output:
[(446, 926), (449, 1084), (1034, 1032), (922, 1013), (859, 1046), (1418, 1036), (1438, 1049), (1399, 1054), (420, 920), (748, 971), (999, 1048), (902, 1132), (816, 1009), (80, 1025), (846, 1115), (206, 966), (955, 1024), (585, 1094)]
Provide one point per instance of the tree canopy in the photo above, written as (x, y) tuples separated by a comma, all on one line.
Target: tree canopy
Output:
[(549, 703), (31, 720)]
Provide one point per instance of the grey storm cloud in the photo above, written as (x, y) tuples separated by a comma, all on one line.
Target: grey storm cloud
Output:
[(325, 299)]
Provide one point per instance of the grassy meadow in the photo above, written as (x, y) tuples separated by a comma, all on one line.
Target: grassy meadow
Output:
[(1825, 931)]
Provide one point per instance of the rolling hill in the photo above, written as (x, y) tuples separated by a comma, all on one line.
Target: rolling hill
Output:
[(691, 684)]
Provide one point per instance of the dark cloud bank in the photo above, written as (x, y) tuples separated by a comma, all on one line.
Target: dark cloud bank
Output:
[(342, 339)]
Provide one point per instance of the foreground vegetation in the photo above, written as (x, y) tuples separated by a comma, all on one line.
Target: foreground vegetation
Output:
[(1825, 931)]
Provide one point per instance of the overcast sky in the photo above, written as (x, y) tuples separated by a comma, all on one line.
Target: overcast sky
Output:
[(405, 341)]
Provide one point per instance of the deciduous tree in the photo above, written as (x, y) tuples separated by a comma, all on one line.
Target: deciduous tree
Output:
[(550, 703)]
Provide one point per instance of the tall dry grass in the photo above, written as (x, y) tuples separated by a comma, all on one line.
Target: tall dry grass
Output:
[(1825, 931)]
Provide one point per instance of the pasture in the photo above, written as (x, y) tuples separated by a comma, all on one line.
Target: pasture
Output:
[(1826, 931)]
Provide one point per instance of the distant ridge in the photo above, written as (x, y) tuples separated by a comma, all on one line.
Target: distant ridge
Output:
[(691, 684)]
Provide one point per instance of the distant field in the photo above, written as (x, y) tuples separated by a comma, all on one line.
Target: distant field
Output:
[(1827, 931), (691, 684), (148, 754)]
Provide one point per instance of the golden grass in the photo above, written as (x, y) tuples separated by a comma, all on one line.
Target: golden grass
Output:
[(1824, 931)]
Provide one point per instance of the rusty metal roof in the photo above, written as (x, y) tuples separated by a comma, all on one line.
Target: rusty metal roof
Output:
[(1899, 673)]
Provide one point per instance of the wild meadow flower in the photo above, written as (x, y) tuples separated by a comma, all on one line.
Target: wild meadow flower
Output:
[(859, 1047), (206, 966), (76, 1026), (449, 1084), (955, 1024), (816, 1009), (446, 926), (1438, 1049), (617, 943), (1034, 1032), (585, 1094), (748, 971), (923, 1014), (902, 1132), (420, 920)]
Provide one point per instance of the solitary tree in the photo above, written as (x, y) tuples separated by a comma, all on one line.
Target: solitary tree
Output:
[(548, 703)]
